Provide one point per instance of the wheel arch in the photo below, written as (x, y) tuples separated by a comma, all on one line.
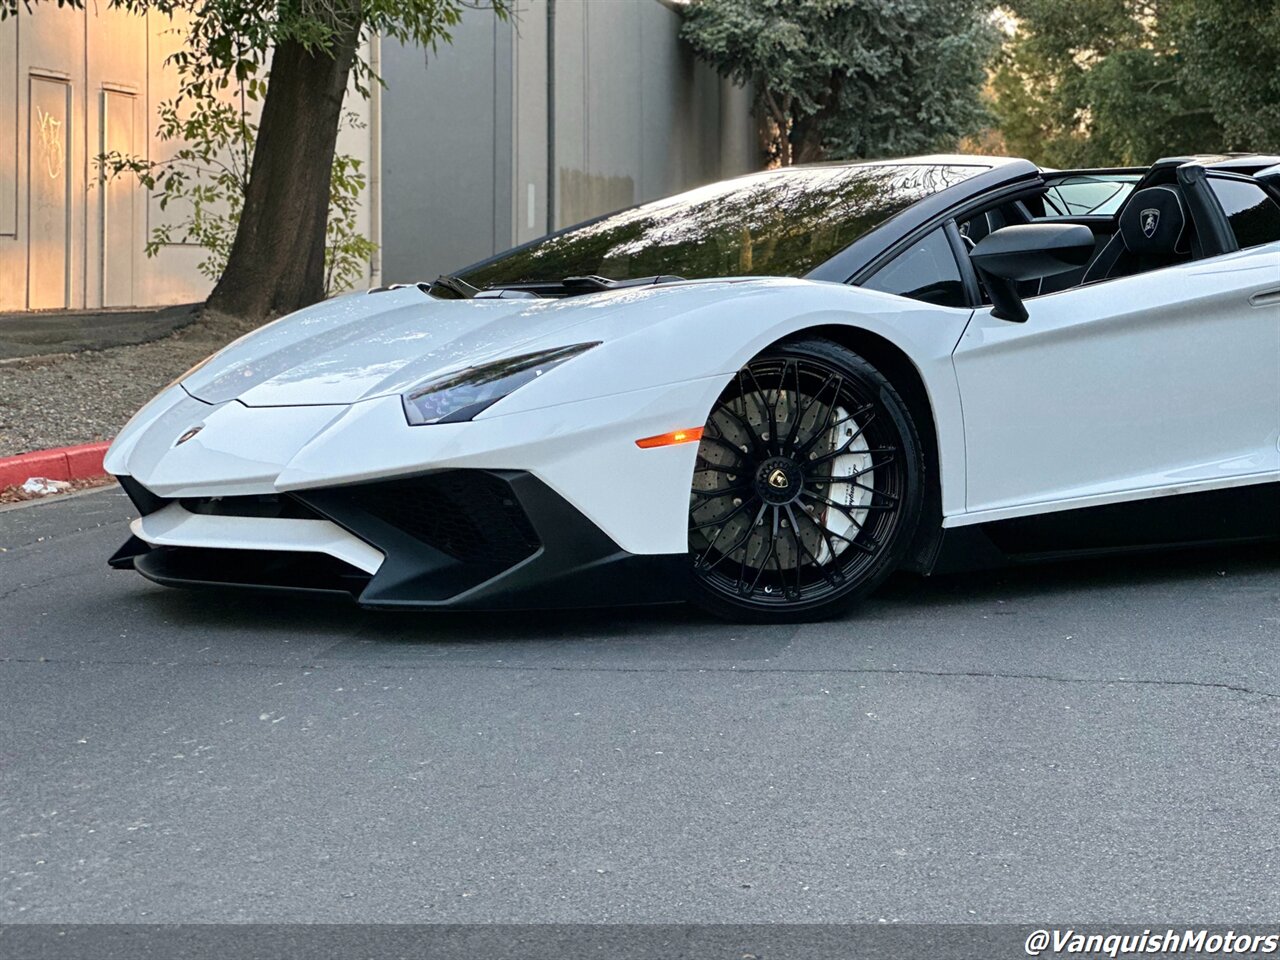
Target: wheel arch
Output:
[(900, 370)]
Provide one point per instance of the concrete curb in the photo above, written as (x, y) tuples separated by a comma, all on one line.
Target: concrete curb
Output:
[(83, 462)]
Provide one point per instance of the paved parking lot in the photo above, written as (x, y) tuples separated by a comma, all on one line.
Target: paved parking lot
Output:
[(1096, 741)]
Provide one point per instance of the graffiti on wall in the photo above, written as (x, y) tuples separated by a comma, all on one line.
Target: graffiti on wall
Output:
[(51, 143)]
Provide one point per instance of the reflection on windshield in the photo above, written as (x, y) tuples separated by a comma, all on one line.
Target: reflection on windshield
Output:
[(778, 223), (1087, 195)]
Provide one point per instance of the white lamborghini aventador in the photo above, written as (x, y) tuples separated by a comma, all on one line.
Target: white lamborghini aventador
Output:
[(762, 395)]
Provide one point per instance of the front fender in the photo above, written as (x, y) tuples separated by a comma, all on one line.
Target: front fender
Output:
[(664, 337)]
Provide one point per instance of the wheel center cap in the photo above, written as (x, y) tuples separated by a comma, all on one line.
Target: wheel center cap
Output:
[(779, 480)]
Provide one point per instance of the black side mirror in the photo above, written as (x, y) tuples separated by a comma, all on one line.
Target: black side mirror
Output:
[(1027, 252)]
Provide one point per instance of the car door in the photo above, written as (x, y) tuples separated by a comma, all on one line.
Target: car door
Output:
[(1159, 383)]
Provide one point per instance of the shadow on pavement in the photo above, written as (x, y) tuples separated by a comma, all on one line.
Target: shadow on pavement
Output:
[(903, 595)]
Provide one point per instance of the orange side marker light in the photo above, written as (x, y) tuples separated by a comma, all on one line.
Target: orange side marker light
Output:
[(691, 435)]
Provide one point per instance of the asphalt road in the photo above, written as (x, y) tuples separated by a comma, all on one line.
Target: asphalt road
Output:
[(1089, 742)]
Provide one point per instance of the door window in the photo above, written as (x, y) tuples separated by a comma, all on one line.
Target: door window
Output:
[(1254, 217), (925, 271)]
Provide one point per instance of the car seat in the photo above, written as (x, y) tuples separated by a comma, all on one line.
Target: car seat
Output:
[(1155, 230)]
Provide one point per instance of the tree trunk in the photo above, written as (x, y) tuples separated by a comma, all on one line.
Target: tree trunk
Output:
[(772, 127), (276, 263), (807, 146), (808, 133)]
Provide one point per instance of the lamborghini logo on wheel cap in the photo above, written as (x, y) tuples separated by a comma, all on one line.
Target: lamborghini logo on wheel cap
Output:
[(778, 479), (1150, 221), (188, 435)]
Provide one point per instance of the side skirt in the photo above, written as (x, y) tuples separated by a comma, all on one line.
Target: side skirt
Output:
[(1238, 515)]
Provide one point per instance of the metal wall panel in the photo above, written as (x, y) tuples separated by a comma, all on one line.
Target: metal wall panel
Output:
[(68, 240), (49, 194), (464, 153), (120, 242), (439, 152), (115, 119), (9, 86), (529, 146)]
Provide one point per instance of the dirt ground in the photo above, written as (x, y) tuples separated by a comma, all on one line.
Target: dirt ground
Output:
[(69, 398)]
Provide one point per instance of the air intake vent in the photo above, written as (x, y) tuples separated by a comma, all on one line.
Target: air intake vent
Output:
[(469, 514)]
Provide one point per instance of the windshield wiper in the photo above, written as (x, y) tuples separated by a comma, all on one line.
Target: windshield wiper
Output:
[(576, 286), (448, 287), (594, 282), (452, 288)]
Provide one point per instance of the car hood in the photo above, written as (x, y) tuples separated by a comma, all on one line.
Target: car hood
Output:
[(370, 344), (366, 345)]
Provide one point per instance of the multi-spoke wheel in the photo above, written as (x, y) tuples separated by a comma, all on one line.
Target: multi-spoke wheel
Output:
[(806, 488)]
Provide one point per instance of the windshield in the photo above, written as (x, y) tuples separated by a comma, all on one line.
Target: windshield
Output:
[(1088, 195), (778, 223)]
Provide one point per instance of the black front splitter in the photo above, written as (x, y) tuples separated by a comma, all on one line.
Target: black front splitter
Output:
[(570, 563)]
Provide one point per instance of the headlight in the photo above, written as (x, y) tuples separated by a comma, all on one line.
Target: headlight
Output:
[(460, 396)]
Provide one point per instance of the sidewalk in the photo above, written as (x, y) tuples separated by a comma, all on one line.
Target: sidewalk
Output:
[(39, 332), (73, 377)]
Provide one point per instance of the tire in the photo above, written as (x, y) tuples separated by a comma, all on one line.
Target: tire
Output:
[(807, 487)]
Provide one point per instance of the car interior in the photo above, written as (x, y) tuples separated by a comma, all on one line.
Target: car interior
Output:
[(1141, 221)]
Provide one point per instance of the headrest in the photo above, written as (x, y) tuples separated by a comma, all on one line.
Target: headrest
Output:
[(1154, 221)]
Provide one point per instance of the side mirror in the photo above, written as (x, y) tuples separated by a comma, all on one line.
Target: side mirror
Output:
[(1027, 252)]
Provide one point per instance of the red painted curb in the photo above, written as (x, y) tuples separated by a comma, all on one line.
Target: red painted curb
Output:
[(83, 462)]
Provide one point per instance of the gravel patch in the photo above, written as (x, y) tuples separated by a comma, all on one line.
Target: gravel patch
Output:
[(70, 398)]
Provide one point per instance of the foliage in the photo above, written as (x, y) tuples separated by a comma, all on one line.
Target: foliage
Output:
[(232, 39), (205, 177), (346, 250), (1101, 82), (208, 174), (851, 78), (1231, 51)]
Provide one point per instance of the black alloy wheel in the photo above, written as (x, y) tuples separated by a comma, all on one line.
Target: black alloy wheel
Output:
[(807, 486)]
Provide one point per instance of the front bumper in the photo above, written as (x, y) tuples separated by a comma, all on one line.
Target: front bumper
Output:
[(460, 539), (584, 450)]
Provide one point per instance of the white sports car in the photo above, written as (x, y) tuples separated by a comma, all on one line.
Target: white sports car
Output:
[(762, 395)]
